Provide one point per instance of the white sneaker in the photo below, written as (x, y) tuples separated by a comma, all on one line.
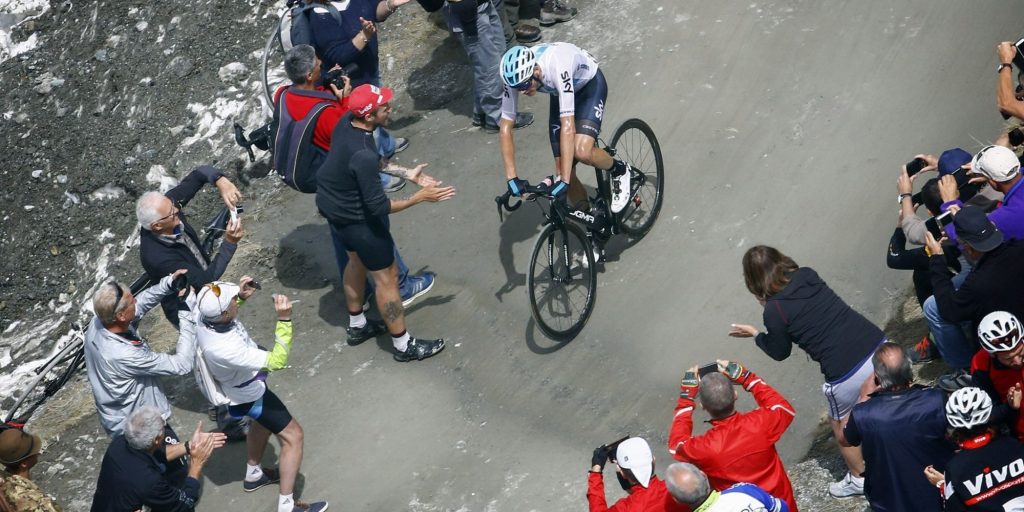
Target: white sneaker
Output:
[(620, 190), (849, 486)]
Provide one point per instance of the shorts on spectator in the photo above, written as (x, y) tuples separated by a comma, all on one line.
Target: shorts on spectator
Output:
[(842, 394), (371, 241), (267, 411)]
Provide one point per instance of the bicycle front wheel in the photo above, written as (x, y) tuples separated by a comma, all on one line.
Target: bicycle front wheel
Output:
[(634, 143), (562, 281)]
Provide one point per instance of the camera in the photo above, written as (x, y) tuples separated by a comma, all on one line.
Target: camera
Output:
[(336, 76), (179, 283), (707, 369)]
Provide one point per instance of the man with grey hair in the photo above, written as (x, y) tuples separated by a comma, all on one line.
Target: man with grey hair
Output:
[(167, 242), (124, 372), (133, 472), (689, 486), (901, 428), (304, 103), (739, 447)]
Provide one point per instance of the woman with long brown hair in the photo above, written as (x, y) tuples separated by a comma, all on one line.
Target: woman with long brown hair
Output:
[(800, 309)]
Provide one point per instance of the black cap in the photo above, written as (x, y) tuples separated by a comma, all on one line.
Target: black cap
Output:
[(974, 228)]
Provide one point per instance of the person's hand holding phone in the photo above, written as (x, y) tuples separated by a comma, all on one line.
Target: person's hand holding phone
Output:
[(1006, 52), (283, 306), (229, 193), (949, 189), (234, 232), (247, 286), (932, 246)]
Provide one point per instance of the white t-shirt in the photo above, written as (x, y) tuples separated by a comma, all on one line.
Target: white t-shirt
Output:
[(564, 68), (234, 359)]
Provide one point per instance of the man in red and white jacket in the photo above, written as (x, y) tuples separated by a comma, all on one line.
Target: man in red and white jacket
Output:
[(739, 447)]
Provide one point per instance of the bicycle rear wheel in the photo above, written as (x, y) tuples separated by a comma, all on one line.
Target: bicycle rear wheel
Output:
[(634, 143), (273, 62), (562, 281), (53, 374)]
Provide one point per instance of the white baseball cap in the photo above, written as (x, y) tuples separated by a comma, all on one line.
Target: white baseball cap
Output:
[(997, 163), (635, 455), (215, 298)]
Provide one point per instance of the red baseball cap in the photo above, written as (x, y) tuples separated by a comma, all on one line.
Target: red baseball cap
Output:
[(367, 97)]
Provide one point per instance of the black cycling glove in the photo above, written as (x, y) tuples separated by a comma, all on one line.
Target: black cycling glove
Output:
[(600, 457), (517, 186), (558, 189)]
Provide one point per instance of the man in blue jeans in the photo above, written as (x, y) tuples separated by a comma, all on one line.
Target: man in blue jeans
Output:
[(477, 26), (994, 284)]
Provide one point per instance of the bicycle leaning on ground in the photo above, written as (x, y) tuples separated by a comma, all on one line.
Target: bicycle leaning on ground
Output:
[(562, 280), (68, 356)]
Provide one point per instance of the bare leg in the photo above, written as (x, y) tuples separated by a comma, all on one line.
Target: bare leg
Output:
[(354, 283), (851, 454), (291, 455), (256, 442), (389, 301)]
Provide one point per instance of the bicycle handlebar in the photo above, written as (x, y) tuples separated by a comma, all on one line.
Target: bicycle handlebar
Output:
[(530, 192)]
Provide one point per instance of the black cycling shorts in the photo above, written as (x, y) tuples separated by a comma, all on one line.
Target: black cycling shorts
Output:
[(589, 106), (371, 241), (267, 411)]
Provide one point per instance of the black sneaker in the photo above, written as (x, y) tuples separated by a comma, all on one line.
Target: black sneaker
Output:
[(555, 11), (419, 350), (269, 476), (401, 144), (372, 329), (924, 351)]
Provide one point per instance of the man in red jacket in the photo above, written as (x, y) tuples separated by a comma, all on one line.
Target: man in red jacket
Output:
[(647, 493), (739, 447)]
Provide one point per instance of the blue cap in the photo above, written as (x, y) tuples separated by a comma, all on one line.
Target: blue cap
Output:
[(953, 159)]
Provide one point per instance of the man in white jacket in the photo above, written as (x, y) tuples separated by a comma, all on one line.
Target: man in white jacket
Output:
[(240, 368)]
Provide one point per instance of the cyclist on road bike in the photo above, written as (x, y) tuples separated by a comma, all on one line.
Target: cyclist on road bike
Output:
[(578, 92)]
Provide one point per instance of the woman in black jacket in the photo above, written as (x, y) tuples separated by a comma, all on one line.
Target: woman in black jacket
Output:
[(799, 308)]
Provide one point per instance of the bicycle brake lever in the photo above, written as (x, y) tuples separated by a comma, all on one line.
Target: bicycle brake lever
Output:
[(245, 143), (501, 216)]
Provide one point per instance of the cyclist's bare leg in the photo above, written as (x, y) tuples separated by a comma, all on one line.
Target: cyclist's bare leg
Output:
[(389, 300), (354, 283), (588, 153)]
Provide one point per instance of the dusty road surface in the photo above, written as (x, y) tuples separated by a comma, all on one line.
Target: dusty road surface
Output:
[(780, 122)]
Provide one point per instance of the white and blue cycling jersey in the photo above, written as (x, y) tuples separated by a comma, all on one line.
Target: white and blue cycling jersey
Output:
[(565, 69)]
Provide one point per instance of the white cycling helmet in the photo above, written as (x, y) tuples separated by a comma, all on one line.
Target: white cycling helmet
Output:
[(968, 407), (517, 65), (1000, 331)]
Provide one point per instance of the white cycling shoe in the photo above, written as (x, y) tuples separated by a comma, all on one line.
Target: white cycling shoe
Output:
[(620, 190)]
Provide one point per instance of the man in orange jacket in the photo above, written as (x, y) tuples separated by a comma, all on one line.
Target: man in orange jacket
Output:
[(739, 447)]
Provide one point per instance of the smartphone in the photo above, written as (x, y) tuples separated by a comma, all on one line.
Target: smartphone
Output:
[(613, 446), (255, 285), (914, 166), (935, 224), (179, 282), (707, 369), (1018, 58), (1016, 137)]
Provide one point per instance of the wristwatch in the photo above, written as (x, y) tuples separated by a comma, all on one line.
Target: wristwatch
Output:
[(1003, 65), (905, 194)]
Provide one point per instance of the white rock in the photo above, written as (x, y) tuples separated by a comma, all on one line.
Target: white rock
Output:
[(141, 26), (106, 192), (37, 173), (62, 178), (233, 72), (29, 207)]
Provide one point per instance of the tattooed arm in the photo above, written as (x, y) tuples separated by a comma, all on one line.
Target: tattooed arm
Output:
[(414, 175)]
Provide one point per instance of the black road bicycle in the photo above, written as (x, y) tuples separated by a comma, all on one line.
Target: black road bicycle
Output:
[(562, 279), (69, 357)]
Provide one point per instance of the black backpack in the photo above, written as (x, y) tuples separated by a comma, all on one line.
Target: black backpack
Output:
[(295, 27), (293, 154)]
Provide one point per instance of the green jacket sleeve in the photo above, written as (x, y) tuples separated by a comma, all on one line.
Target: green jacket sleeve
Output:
[(278, 357)]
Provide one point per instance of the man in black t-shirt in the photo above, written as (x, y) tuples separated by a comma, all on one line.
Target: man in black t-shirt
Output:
[(350, 196)]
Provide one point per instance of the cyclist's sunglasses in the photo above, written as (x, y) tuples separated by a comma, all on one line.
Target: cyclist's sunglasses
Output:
[(525, 86)]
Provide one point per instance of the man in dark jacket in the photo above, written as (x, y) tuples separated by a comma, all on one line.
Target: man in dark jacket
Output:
[(167, 242), (901, 429), (995, 284), (132, 474)]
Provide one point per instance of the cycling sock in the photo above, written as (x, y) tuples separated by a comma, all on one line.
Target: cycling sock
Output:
[(253, 473), (356, 321), (401, 341), (285, 503)]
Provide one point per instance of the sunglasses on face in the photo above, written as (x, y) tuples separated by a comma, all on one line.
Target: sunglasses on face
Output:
[(118, 297), (525, 86)]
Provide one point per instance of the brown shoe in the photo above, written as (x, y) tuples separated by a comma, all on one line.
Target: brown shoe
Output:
[(527, 34)]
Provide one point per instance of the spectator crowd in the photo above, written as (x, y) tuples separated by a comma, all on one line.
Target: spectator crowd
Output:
[(906, 446)]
